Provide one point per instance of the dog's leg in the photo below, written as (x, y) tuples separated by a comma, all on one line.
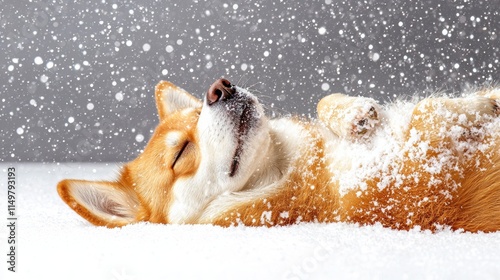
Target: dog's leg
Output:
[(445, 174), (437, 118), (349, 117)]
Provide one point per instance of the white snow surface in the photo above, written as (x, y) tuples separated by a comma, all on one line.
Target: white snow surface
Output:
[(53, 242)]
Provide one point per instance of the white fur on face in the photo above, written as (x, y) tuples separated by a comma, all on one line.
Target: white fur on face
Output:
[(288, 137), (218, 142)]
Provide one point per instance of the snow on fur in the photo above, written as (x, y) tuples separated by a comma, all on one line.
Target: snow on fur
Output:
[(376, 154)]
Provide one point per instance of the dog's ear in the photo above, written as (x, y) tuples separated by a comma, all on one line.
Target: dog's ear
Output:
[(102, 203), (170, 98)]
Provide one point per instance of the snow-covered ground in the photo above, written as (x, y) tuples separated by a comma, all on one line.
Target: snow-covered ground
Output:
[(55, 243)]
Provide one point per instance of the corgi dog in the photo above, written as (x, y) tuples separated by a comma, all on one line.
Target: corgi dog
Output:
[(221, 161)]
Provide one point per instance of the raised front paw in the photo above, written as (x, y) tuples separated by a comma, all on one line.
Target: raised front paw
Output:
[(349, 117), (365, 121)]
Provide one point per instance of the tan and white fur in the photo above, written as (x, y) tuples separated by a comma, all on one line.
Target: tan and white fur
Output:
[(222, 161)]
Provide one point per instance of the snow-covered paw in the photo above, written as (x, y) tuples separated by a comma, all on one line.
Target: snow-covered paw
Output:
[(494, 99), (496, 106), (349, 117), (496, 103), (366, 118), (486, 106)]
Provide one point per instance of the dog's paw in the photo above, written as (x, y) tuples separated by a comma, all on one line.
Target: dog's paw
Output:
[(495, 106), (349, 117), (494, 100), (486, 106), (365, 121)]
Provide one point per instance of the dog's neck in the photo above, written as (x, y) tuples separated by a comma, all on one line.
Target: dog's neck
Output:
[(294, 156), (282, 151)]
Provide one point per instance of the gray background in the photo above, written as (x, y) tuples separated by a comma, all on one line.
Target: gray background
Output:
[(77, 78)]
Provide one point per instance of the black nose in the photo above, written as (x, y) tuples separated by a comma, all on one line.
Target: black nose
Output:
[(222, 89)]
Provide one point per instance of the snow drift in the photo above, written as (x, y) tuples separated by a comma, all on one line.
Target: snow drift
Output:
[(55, 243)]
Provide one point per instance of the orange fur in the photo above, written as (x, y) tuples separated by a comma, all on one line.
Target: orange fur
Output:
[(464, 193), (150, 175)]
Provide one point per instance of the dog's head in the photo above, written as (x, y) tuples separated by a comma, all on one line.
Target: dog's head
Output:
[(199, 151)]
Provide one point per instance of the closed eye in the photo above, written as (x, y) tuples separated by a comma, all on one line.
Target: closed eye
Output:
[(179, 153)]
